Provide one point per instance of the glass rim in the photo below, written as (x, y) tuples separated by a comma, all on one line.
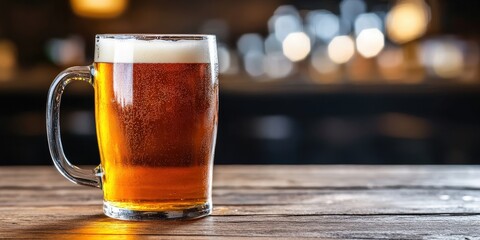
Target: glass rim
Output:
[(148, 36)]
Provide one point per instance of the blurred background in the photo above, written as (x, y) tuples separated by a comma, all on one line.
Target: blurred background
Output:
[(301, 82)]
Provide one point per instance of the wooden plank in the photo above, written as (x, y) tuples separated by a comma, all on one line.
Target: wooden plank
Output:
[(285, 201), (116, 237), (394, 202), (348, 176), (284, 176), (90, 221)]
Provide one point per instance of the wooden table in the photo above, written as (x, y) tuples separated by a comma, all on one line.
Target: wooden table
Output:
[(335, 202)]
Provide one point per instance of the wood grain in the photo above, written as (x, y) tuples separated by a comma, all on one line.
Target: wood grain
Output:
[(272, 201), (284, 176), (335, 202), (90, 221)]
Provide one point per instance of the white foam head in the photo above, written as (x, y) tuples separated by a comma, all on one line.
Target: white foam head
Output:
[(132, 50)]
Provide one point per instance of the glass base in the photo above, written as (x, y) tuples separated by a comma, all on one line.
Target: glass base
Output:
[(135, 215)]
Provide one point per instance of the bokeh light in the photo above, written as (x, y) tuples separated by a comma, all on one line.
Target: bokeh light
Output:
[(224, 59), (323, 24), (272, 45), (250, 42), (286, 24), (8, 59), (407, 20), (341, 49), (284, 21), (287, 10), (321, 62), (296, 46), (67, 52), (322, 69), (276, 65), (448, 61), (443, 57), (350, 9), (370, 42), (367, 20), (99, 8), (253, 62), (391, 64)]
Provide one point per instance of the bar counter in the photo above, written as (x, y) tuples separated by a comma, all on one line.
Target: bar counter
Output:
[(263, 201)]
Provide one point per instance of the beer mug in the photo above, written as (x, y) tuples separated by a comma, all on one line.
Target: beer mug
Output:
[(156, 103)]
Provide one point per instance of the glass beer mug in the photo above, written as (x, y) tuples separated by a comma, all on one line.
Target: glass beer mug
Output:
[(156, 103)]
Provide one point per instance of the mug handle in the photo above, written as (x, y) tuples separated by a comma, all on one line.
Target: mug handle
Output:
[(73, 173)]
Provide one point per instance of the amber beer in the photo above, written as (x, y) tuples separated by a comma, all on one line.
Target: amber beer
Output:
[(156, 119), (156, 103)]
